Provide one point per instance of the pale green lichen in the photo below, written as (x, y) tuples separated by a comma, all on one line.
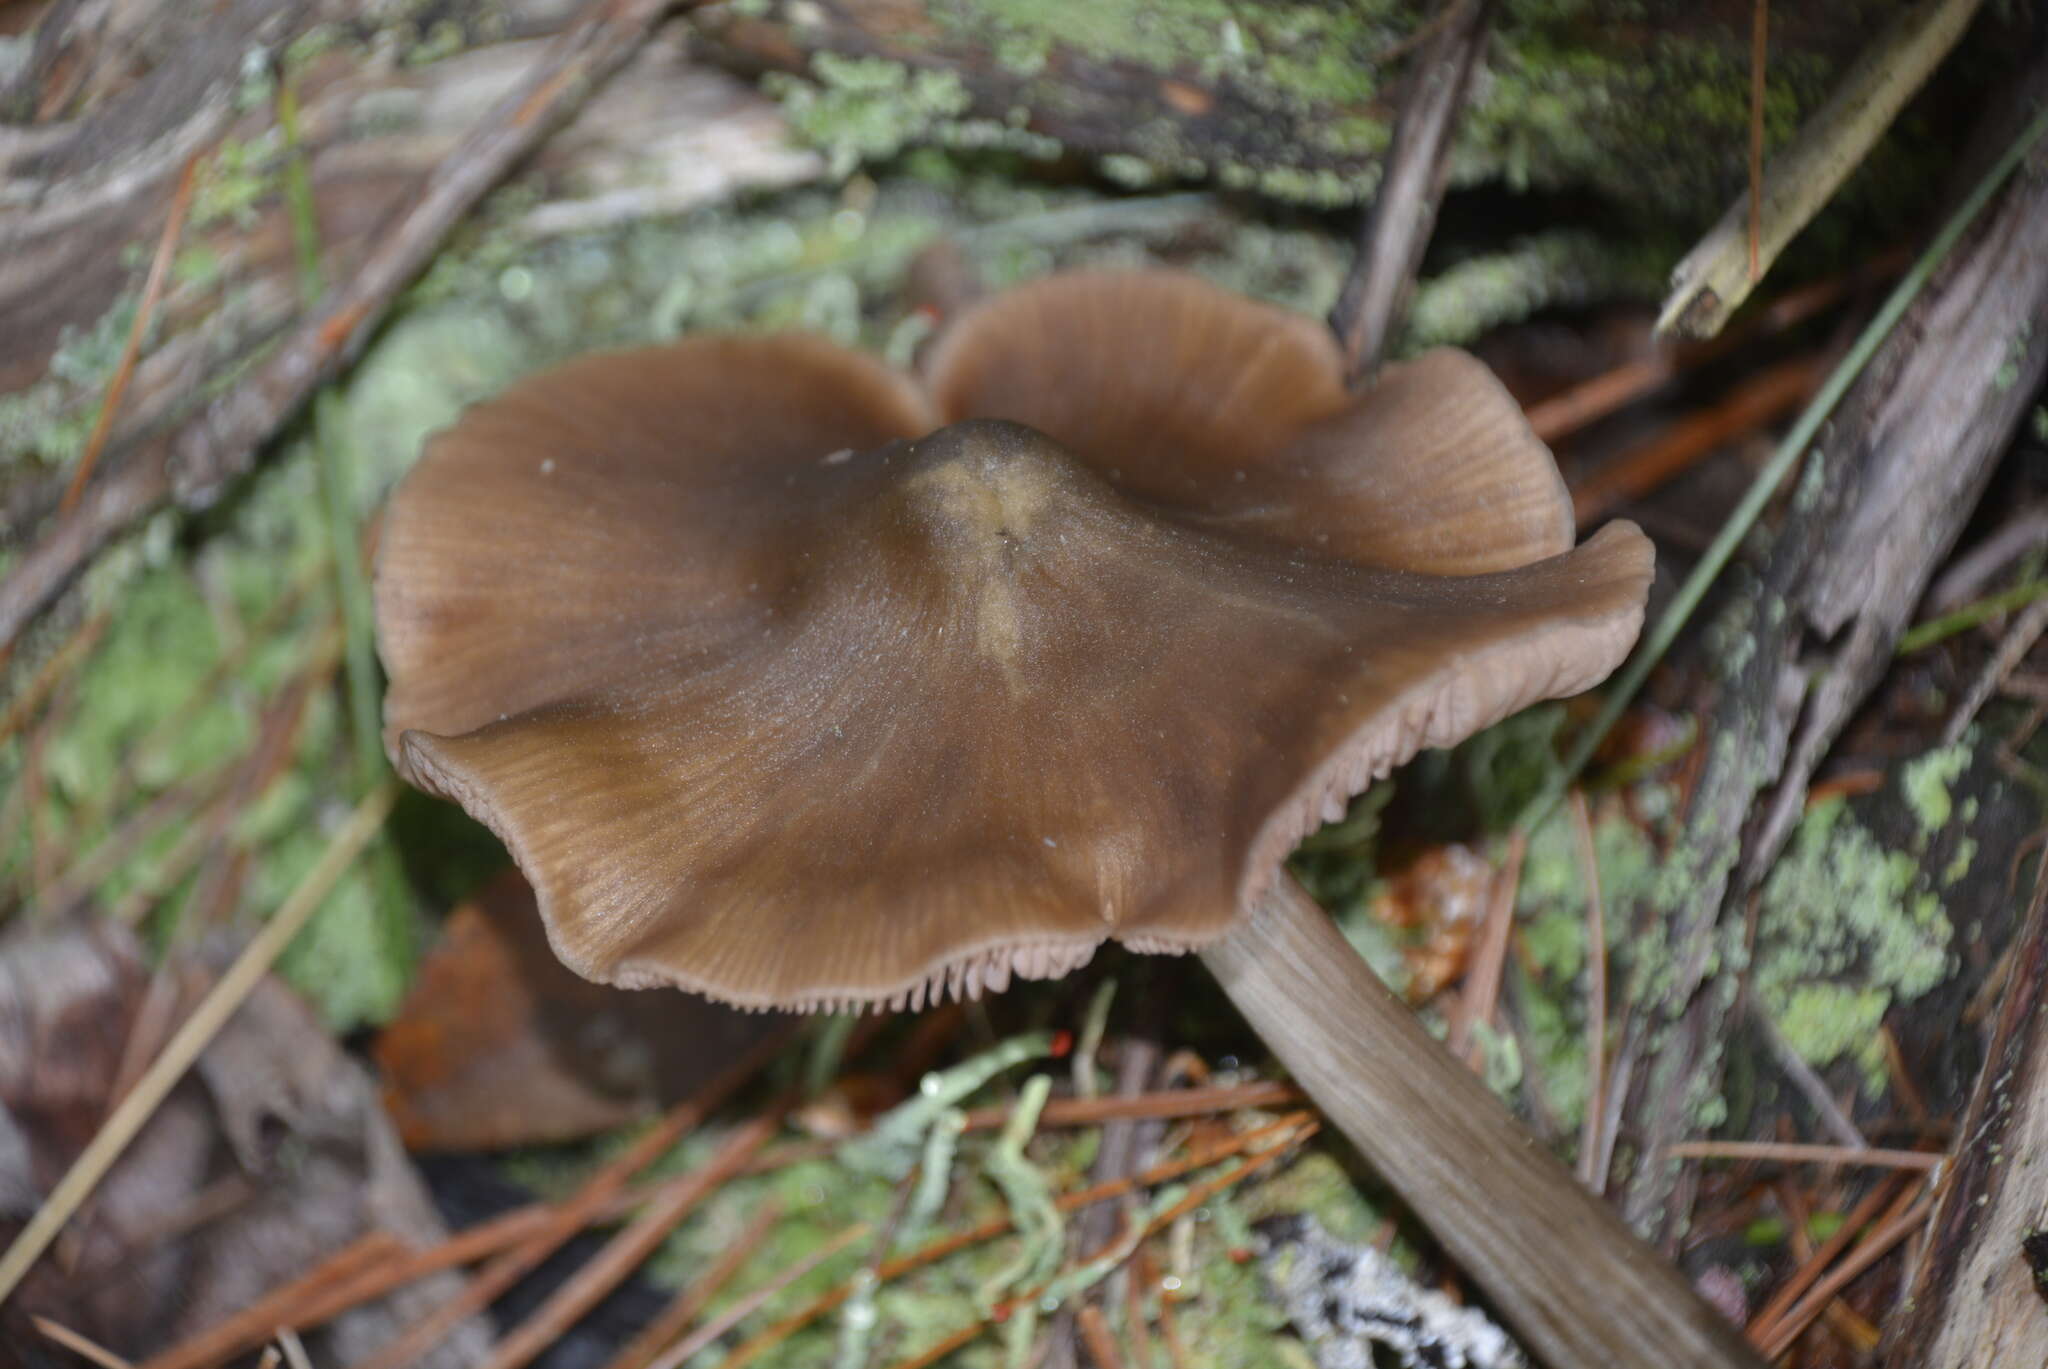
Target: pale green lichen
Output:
[(1551, 270), (1925, 782), (861, 109), (1844, 929)]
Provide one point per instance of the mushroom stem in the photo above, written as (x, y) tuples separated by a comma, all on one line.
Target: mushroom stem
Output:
[(1541, 1246)]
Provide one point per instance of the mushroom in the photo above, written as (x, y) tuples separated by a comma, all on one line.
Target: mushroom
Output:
[(795, 683)]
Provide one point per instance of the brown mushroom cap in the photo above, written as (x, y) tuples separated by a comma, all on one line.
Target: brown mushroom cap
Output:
[(779, 696)]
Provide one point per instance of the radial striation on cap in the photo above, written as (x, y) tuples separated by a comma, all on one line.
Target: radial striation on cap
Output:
[(795, 684)]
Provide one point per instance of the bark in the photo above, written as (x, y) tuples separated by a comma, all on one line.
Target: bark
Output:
[(1643, 103), (1976, 1300), (1882, 499)]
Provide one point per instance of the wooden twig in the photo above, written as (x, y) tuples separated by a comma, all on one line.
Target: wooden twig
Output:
[(145, 311), (577, 1212), (191, 466), (1591, 400), (52, 672), (1196, 1196), (1803, 1077), (1716, 276), (675, 1317), (1095, 1335), (2019, 639), (207, 1018), (682, 1350), (1412, 179), (1754, 403), (1088, 1112), (1482, 980), (1865, 1255), (1596, 998), (78, 1345), (629, 1249), (1795, 1153), (769, 1338), (1759, 49), (1658, 639)]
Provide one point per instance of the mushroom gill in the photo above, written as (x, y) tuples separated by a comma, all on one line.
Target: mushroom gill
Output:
[(790, 685)]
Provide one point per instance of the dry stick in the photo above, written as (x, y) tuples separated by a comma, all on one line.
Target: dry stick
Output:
[(124, 369), (1880, 1243), (1095, 1335), (629, 1249), (1758, 401), (1134, 1310), (1875, 1207), (1759, 49), (675, 1318), (192, 1038), (253, 1325), (1166, 1103), (1807, 1080), (2012, 649), (578, 1211), (1797, 1153), (56, 669), (77, 1344), (1428, 1126), (1591, 400), (1412, 179), (221, 443), (769, 1338), (347, 1278), (1596, 999), (747, 1306), (174, 724), (1482, 980), (1715, 277), (1658, 639), (1196, 1196)]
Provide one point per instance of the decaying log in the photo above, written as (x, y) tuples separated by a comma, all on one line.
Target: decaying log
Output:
[(1976, 1301), (1295, 97), (1882, 498)]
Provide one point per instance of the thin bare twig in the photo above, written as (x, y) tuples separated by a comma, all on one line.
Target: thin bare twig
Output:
[(192, 1038), (2019, 639), (747, 1306), (1807, 1308), (578, 1211), (78, 1345), (1796, 1153), (1596, 997), (145, 310), (1482, 980), (1759, 48), (1412, 180), (629, 1249), (675, 1318), (1087, 1112), (1716, 276)]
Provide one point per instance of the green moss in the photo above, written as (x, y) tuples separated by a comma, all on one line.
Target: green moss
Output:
[(1844, 929)]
